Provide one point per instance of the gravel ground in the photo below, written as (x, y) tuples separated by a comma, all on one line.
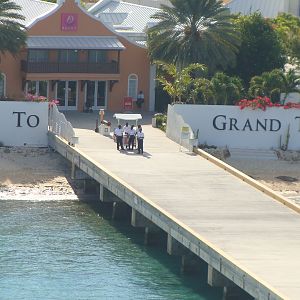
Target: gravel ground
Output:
[(273, 173)]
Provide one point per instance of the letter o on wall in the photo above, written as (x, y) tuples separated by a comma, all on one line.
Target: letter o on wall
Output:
[(33, 121)]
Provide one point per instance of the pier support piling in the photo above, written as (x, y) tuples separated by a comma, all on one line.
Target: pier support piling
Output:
[(191, 264), (235, 293), (120, 211), (174, 247), (216, 279), (106, 195), (152, 235), (77, 174), (230, 290), (90, 186), (101, 192), (73, 170), (138, 220)]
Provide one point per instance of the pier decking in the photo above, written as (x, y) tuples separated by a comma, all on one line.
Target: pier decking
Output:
[(239, 231)]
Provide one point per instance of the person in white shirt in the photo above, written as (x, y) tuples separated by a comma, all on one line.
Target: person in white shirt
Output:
[(140, 138), (132, 134), (119, 137), (126, 129)]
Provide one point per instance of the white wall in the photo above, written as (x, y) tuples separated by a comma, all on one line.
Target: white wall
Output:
[(229, 126), (173, 130), (23, 123)]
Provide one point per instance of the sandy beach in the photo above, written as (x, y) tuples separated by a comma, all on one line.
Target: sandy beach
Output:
[(34, 174), (41, 174)]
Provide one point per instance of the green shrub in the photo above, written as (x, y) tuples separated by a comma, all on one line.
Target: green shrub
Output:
[(161, 121)]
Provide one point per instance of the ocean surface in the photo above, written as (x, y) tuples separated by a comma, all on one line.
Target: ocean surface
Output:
[(68, 250)]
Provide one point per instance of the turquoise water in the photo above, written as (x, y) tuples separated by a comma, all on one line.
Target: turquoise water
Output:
[(66, 250)]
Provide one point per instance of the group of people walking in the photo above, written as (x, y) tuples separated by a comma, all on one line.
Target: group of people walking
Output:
[(129, 134)]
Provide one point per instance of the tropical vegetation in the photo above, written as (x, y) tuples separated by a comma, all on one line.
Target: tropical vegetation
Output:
[(180, 83), (274, 84), (288, 28), (226, 89), (192, 85), (12, 33), (261, 49), (194, 31), (161, 121)]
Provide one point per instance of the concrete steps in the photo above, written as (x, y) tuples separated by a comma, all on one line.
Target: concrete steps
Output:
[(252, 154)]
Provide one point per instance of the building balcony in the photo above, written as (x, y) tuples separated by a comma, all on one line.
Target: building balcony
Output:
[(58, 67)]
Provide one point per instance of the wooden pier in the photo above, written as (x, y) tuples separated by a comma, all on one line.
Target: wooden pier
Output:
[(244, 235)]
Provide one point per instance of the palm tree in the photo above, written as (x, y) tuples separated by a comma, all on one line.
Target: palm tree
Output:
[(269, 84), (12, 31), (291, 81), (226, 90), (194, 31), (274, 84)]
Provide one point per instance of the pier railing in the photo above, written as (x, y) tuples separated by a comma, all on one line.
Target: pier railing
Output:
[(59, 125)]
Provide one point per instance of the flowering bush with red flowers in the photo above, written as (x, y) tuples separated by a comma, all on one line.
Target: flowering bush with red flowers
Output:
[(36, 98), (53, 102), (264, 102), (256, 103), (291, 105)]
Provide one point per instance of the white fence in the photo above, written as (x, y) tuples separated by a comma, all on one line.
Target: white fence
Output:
[(59, 125), (23, 123), (222, 126)]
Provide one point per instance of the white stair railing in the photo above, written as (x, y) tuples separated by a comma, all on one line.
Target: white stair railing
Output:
[(59, 125)]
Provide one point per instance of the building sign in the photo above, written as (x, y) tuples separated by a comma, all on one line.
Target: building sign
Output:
[(23, 123), (69, 22), (223, 122), (128, 103), (230, 126)]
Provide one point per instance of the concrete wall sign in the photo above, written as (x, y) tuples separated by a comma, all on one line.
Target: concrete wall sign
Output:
[(24, 123), (229, 126)]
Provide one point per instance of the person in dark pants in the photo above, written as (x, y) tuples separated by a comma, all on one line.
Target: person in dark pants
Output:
[(131, 134), (119, 136), (140, 140), (140, 99)]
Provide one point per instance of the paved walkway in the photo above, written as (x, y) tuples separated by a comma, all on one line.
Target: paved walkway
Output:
[(255, 230)]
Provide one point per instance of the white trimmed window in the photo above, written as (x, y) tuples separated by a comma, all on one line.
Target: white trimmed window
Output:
[(2, 85), (132, 86), (39, 88)]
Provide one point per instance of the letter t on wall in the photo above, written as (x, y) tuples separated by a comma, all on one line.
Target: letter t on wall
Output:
[(19, 113)]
